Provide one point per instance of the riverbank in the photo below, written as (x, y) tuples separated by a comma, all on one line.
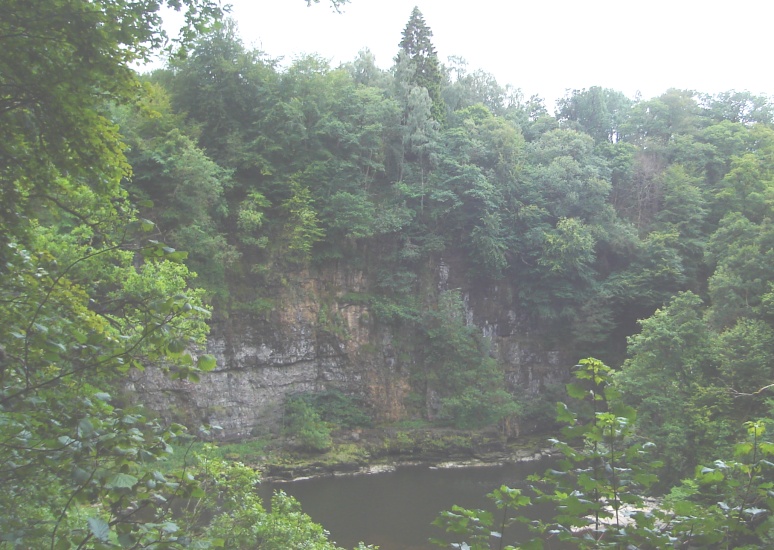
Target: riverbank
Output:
[(384, 449)]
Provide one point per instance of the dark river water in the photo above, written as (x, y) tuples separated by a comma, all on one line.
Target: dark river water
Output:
[(395, 509)]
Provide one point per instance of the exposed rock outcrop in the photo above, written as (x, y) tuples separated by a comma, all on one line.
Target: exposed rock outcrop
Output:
[(317, 338)]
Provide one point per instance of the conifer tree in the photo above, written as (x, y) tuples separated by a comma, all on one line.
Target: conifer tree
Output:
[(417, 46)]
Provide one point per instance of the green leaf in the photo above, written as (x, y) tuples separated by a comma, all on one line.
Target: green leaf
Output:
[(576, 392), (121, 481), (176, 256), (743, 449), (177, 345), (80, 475), (170, 527), (85, 428), (127, 540), (66, 440), (206, 362), (564, 415), (99, 528)]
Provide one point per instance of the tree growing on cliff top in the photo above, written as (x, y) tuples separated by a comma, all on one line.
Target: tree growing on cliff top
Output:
[(417, 47)]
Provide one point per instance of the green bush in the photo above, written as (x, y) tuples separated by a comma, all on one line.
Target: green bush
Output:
[(304, 423), (342, 410), (337, 408)]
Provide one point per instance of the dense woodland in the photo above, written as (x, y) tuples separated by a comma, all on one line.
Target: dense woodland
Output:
[(133, 207)]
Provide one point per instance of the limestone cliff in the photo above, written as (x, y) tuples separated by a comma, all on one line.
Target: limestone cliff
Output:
[(316, 338)]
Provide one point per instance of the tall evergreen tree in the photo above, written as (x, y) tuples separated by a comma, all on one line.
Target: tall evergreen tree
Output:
[(417, 46)]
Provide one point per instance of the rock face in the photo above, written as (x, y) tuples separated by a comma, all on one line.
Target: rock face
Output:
[(317, 337)]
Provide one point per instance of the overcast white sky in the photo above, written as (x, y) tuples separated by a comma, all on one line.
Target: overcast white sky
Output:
[(543, 46)]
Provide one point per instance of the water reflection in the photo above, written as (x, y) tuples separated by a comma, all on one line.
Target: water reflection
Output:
[(394, 510)]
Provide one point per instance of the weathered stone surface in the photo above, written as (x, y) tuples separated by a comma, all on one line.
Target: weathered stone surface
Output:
[(315, 340)]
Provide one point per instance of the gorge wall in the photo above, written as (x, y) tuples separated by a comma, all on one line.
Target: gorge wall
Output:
[(317, 338)]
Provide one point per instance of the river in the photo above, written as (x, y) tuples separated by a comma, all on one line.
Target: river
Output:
[(394, 510)]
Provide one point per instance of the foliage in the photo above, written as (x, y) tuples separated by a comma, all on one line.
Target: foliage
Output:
[(81, 310), (599, 483), (241, 519), (303, 422), (84, 295), (185, 451), (594, 481), (480, 527), (339, 409), (668, 380), (416, 45), (303, 228), (171, 171), (60, 63), (458, 367), (612, 211), (593, 218), (88, 292), (597, 474), (599, 112)]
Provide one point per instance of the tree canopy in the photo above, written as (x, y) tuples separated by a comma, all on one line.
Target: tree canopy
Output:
[(89, 292), (132, 207)]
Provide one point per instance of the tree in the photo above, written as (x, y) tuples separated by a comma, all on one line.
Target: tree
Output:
[(365, 71), (670, 379), (657, 120), (61, 62), (228, 91), (597, 487), (597, 111), (746, 186), (74, 455), (464, 386), (335, 4), (738, 107), (303, 422), (565, 176), (679, 224), (740, 252), (599, 472), (242, 520), (479, 158), (85, 295), (179, 186), (468, 89), (417, 47)]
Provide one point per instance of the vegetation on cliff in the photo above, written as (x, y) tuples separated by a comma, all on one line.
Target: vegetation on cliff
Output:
[(88, 292), (610, 212)]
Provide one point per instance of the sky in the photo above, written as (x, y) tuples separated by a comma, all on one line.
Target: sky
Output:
[(543, 47)]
